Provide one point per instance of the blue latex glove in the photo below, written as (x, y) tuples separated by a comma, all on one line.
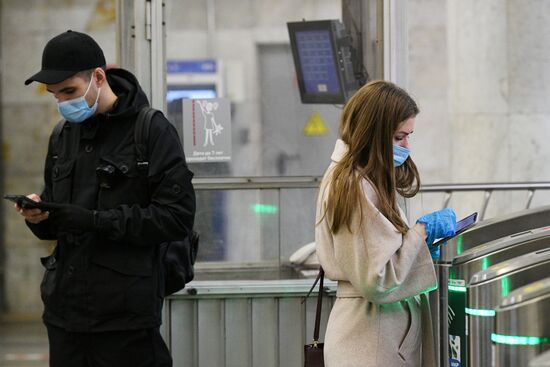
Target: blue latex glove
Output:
[(439, 224), (435, 252)]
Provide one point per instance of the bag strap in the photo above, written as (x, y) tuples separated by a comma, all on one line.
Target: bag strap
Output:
[(319, 306), (320, 276), (56, 138), (56, 134), (141, 136)]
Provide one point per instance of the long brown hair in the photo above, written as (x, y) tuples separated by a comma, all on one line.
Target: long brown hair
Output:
[(368, 124)]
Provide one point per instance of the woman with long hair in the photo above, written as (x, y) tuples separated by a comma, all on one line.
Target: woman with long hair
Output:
[(384, 268)]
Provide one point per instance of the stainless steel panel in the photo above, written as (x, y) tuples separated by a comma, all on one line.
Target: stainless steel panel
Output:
[(522, 327), (477, 259), (489, 230), (439, 312), (243, 323), (238, 325), (291, 332), (494, 252), (211, 343), (182, 328), (265, 332), (482, 232), (485, 293)]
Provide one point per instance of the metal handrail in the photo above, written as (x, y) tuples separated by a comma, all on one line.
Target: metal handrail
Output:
[(296, 182), (250, 183), (243, 183), (488, 189)]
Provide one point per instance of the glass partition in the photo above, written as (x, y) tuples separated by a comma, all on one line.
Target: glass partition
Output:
[(240, 51)]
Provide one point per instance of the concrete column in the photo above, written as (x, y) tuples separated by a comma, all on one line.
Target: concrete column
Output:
[(529, 91), (477, 49)]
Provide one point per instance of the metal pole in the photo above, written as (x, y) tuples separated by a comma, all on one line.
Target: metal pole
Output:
[(486, 198), (141, 40), (396, 48), (447, 198), (530, 194), (3, 303)]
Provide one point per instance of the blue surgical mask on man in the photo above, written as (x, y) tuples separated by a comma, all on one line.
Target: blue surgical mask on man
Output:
[(77, 110), (400, 155)]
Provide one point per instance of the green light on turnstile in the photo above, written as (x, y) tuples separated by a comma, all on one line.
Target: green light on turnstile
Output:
[(456, 288), (459, 245), (480, 312), (264, 209), (519, 340), (484, 263), (504, 287)]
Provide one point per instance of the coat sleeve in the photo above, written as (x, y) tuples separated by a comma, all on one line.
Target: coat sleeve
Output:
[(381, 263), (171, 211), (43, 230)]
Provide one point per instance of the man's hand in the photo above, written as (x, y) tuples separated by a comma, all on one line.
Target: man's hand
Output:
[(34, 216)]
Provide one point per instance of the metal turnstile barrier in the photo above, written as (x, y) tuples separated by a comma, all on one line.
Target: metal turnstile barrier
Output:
[(522, 325), (491, 229), (485, 292), (465, 266), (243, 322), (483, 232)]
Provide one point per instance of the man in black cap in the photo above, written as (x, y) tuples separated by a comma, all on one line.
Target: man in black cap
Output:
[(103, 285)]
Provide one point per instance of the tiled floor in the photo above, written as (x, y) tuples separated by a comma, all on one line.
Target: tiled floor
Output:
[(23, 343)]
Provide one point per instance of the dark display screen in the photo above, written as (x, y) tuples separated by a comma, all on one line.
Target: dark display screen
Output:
[(315, 52)]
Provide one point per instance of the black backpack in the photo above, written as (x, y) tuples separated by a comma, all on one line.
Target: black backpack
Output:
[(177, 257)]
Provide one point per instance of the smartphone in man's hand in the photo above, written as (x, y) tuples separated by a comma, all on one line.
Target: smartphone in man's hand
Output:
[(27, 203)]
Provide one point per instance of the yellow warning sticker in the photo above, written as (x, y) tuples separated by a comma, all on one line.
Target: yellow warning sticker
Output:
[(315, 126)]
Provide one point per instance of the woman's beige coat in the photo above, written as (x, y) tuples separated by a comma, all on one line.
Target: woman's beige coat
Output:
[(381, 317)]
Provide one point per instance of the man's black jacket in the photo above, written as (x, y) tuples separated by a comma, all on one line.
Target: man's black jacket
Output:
[(109, 278)]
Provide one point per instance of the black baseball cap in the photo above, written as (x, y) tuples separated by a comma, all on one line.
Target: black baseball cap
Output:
[(67, 54)]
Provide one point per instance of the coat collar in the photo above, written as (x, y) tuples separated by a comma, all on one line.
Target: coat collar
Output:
[(340, 149)]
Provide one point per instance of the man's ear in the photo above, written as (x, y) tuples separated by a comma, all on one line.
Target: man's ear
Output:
[(100, 77)]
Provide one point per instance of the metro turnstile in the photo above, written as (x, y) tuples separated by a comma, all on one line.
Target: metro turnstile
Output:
[(485, 293), (481, 233), (522, 325), (491, 229), (469, 263), (542, 360)]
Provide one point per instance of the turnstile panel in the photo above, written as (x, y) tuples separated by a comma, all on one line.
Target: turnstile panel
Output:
[(522, 328), (471, 262), (485, 292)]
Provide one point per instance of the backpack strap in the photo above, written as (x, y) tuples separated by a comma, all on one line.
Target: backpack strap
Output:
[(56, 134), (141, 136)]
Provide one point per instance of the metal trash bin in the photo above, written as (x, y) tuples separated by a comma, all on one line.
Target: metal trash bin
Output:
[(485, 292), (542, 360), (471, 262), (522, 325), (482, 232)]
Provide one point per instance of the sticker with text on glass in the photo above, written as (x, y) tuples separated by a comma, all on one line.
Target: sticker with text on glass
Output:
[(207, 130)]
